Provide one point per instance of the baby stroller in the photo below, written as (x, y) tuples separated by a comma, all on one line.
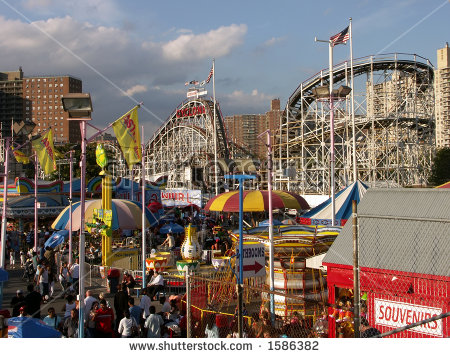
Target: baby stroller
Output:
[(28, 273)]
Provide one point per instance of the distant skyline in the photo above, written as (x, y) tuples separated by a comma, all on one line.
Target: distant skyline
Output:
[(145, 51)]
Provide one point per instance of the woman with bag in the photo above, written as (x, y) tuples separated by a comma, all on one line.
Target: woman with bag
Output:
[(128, 326)]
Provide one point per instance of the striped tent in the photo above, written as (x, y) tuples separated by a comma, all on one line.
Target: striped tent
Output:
[(321, 214)]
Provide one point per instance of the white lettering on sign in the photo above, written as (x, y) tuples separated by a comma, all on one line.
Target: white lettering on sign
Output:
[(399, 314)]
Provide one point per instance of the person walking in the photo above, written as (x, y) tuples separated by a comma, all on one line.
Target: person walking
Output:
[(128, 327), (33, 302), (153, 324)]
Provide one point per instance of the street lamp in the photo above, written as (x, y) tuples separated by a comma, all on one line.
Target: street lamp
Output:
[(271, 248), (328, 93), (79, 108), (241, 178)]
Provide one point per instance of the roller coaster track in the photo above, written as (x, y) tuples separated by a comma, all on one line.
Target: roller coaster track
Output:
[(361, 66), (394, 125)]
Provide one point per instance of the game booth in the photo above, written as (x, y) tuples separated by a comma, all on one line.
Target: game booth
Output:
[(403, 258)]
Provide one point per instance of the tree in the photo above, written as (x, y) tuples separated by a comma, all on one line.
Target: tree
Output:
[(440, 169)]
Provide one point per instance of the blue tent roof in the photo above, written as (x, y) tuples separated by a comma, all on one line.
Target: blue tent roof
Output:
[(343, 203), (3, 275), (28, 327)]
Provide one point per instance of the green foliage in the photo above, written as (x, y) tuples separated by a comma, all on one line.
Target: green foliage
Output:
[(440, 170)]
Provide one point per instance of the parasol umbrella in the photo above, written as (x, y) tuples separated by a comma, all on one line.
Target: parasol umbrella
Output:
[(57, 238), (171, 227), (256, 200), (126, 215), (266, 223), (28, 327)]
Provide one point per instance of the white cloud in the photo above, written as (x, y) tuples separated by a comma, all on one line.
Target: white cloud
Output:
[(215, 43), (118, 70), (135, 89), (273, 41)]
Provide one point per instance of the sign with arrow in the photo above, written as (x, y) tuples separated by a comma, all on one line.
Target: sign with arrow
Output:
[(254, 260)]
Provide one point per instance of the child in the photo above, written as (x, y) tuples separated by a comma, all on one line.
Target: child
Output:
[(23, 258), (12, 258)]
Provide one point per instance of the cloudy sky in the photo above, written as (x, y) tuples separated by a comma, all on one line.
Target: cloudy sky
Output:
[(134, 51)]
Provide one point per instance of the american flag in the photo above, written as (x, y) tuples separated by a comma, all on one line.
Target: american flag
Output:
[(210, 75), (340, 38)]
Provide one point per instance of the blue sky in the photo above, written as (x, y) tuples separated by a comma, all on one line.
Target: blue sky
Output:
[(131, 51)]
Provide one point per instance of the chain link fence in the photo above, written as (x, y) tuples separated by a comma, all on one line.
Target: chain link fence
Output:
[(408, 277), (404, 281), (214, 311)]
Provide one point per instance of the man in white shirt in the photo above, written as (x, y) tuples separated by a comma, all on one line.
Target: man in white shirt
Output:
[(145, 304), (88, 301), (153, 324), (155, 285)]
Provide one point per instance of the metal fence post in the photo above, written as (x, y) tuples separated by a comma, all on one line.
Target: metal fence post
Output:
[(188, 304), (356, 295)]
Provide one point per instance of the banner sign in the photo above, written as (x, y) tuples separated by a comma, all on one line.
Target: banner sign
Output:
[(175, 197), (398, 314)]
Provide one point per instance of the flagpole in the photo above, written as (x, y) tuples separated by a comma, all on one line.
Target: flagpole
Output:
[(70, 205), (355, 168), (5, 199), (215, 129), (35, 201), (143, 207), (333, 208), (132, 181)]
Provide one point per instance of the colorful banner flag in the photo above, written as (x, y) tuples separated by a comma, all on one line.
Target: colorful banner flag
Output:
[(45, 152), (126, 129), (340, 38), (20, 156)]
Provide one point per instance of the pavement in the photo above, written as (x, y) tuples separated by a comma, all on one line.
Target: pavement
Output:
[(15, 282)]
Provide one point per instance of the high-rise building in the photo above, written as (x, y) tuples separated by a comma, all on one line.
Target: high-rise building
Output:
[(11, 100), (243, 129), (38, 99), (442, 95), (42, 105)]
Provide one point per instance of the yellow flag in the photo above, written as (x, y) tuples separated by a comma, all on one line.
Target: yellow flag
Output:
[(126, 129), (45, 152), (20, 156)]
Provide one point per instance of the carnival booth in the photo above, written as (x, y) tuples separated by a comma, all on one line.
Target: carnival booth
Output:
[(403, 259)]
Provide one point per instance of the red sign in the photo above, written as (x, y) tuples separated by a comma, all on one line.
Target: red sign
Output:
[(190, 111)]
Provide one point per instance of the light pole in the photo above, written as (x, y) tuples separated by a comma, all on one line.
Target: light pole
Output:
[(271, 249), (79, 108), (22, 128), (35, 202), (241, 179), (143, 207), (323, 93)]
